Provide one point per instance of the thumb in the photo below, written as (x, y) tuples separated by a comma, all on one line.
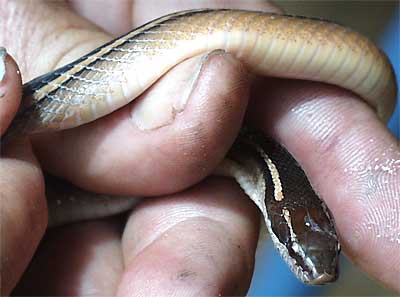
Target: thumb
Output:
[(97, 155)]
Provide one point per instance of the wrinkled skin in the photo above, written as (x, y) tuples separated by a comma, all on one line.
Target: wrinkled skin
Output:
[(197, 237)]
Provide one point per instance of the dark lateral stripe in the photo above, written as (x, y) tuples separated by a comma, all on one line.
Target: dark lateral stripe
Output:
[(30, 87)]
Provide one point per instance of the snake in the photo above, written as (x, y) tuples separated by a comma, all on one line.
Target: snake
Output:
[(109, 77)]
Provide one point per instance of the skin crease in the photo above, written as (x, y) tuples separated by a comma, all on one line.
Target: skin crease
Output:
[(333, 122)]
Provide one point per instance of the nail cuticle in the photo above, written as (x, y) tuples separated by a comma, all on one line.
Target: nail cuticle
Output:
[(158, 110), (203, 60)]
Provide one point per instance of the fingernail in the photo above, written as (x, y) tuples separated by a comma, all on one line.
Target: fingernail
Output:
[(3, 54), (160, 105)]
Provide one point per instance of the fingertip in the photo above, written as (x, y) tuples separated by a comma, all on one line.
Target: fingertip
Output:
[(200, 240), (10, 89)]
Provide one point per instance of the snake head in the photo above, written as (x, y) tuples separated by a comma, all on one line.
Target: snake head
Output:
[(307, 241), (300, 223), (315, 245)]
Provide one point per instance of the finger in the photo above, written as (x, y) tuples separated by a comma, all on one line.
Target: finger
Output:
[(123, 16), (76, 260), (201, 241), (10, 89), (169, 138), (44, 35), (143, 11), (116, 21), (352, 161), (23, 216)]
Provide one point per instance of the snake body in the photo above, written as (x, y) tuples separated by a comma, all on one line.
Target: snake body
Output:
[(114, 74)]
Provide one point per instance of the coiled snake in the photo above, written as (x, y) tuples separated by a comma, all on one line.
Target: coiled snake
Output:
[(112, 75)]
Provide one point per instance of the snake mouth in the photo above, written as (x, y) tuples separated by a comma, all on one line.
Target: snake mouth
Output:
[(323, 279)]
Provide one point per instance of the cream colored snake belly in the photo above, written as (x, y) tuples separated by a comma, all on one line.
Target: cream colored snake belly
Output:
[(274, 45)]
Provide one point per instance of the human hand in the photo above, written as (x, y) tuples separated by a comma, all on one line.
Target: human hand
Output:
[(102, 144)]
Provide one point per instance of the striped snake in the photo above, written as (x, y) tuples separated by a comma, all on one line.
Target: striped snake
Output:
[(114, 74)]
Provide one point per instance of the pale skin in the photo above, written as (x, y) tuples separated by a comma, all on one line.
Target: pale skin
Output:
[(197, 237)]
